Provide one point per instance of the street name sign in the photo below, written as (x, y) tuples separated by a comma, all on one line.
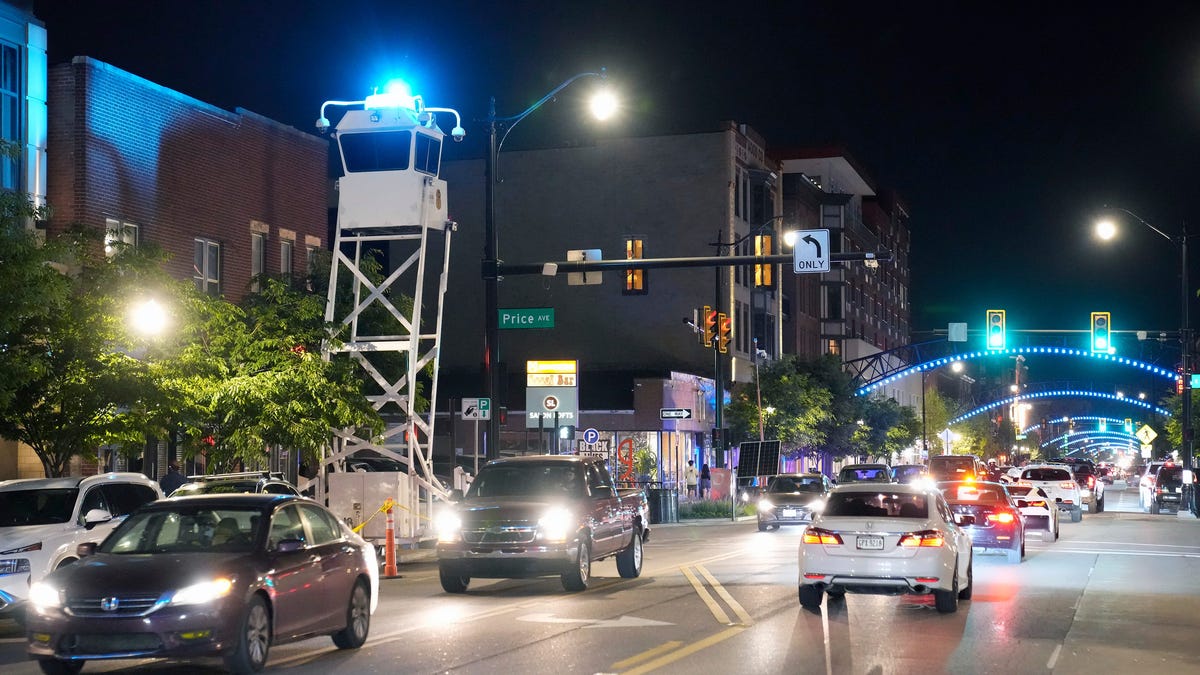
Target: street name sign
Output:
[(527, 317), (675, 413), (811, 251)]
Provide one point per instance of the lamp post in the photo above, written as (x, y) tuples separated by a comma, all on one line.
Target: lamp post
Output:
[(602, 107), (758, 354), (1106, 230)]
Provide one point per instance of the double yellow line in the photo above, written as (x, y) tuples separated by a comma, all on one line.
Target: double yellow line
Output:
[(670, 652)]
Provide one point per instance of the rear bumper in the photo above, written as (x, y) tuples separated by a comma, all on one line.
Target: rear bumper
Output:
[(876, 585)]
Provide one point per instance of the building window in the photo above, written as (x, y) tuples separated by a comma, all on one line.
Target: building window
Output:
[(206, 266), (635, 279), (764, 274), (310, 265), (429, 154), (258, 258), (833, 347), (117, 235), (285, 257), (11, 98)]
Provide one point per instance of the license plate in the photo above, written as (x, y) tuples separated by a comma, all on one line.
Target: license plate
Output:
[(870, 543), (789, 513)]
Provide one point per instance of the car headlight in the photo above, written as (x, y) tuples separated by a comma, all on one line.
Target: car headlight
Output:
[(448, 526), (765, 504), (44, 595), (205, 591), (556, 525)]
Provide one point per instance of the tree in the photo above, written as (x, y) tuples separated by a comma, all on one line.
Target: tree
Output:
[(800, 405), (887, 428)]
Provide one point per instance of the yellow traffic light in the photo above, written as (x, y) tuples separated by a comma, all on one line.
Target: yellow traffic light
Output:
[(710, 325), (725, 326)]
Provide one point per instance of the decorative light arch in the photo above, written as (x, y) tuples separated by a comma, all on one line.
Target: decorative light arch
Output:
[(1061, 393), (1055, 351), (1075, 418), (1088, 437)]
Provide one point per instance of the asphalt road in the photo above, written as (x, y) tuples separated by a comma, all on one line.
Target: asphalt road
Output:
[(1118, 591)]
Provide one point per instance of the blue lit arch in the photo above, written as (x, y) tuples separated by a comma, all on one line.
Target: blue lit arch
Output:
[(1062, 393)]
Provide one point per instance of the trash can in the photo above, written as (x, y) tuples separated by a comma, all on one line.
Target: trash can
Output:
[(664, 505)]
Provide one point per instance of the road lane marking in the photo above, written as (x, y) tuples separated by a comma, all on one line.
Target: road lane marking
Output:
[(733, 604), (713, 605), (1101, 551), (828, 637), (678, 654), (625, 621), (1053, 657), (647, 655)]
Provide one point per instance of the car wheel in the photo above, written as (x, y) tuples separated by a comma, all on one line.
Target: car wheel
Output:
[(56, 667), (946, 602), (629, 561), (1100, 505), (1076, 514), (1154, 509), (453, 583), (835, 596), (762, 527), (358, 619), (810, 596), (965, 594), (576, 579), (253, 640)]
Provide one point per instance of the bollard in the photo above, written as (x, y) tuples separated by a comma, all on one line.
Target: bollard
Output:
[(389, 554)]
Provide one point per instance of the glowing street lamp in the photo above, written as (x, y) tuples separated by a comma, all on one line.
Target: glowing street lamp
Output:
[(148, 317)]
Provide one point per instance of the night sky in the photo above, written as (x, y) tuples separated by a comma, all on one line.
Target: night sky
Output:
[(1005, 128)]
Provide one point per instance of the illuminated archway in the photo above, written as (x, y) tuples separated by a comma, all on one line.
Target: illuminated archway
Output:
[(1062, 393)]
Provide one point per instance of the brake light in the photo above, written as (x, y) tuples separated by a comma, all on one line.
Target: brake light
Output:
[(924, 538), (1091, 481), (1040, 505), (815, 535), (927, 580), (1068, 485), (1005, 517)]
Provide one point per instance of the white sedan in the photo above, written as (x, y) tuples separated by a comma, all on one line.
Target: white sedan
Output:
[(1039, 511), (886, 540)]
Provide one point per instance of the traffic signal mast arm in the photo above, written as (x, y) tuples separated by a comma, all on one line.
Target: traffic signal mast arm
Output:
[(551, 268)]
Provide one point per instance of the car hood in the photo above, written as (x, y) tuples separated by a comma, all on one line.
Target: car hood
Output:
[(505, 508), (25, 535), (147, 574), (790, 499)]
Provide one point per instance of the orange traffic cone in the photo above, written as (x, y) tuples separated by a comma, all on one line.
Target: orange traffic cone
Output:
[(389, 554)]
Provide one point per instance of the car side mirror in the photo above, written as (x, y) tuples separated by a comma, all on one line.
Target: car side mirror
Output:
[(964, 519), (95, 517), (85, 549), (456, 495), (289, 545)]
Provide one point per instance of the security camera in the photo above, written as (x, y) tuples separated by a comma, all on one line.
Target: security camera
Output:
[(458, 133), (322, 125)]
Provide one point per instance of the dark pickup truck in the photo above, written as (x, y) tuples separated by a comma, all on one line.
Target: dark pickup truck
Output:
[(539, 516)]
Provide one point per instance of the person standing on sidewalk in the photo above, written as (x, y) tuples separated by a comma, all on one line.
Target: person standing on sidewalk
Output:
[(705, 481), (691, 477)]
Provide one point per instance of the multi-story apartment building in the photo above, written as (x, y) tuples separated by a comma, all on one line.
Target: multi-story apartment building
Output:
[(228, 195)]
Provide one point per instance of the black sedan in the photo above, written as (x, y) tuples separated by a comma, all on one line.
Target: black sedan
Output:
[(791, 499), (999, 525), (211, 575)]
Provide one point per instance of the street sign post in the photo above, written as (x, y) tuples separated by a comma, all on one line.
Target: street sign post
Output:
[(811, 252), (476, 409), (675, 413)]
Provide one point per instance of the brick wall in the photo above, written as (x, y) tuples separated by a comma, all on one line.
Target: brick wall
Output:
[(125, 148)]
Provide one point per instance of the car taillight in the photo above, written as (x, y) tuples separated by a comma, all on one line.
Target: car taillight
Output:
[(923, 538), (1005, 517), (1068, 485), (1040, 505), (1157, 490), (1091, 481), (815, 535)]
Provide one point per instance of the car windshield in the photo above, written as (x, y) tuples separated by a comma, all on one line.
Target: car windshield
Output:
[(1019, 490), (1170, 474), (36, 507), (1046, 474), (528, 480), (950, 467), (904, 474), (974, 493), (863, 473), (877, 505), (188, 529), (788, 485), (216, 488)]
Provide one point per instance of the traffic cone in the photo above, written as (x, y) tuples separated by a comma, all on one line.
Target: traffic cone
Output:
[(389, 554)]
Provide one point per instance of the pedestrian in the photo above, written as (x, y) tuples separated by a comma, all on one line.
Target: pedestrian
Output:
[(172, 479), (691, 477), (705, 481)]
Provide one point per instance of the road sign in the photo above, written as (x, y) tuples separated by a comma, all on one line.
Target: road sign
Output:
[(477, 408), (675, 413), (1146, 435), (590, 436), (811, 251), (527, 317)]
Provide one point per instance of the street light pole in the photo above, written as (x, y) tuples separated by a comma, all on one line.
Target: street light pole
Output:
[(758, 392), (491, 256)]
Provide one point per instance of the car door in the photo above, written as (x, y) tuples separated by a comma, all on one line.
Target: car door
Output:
[(296, 576), (603, 511), (337, 562)]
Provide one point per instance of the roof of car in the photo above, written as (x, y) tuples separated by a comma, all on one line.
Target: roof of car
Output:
[(909, 488), (873, 465), (240, 499), (68, 482)]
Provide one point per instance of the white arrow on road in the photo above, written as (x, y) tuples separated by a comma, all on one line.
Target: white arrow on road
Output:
[(623, 622)]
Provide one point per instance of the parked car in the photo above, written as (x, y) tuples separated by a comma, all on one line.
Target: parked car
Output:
[(886, 540), (44, 520), (957, 467), (1040, 513), (213, 575), (1058, 484), (1167, 494), (1146, 484), (864, 473), (791, 499), (540, 515), (997, 526), (230, 483)]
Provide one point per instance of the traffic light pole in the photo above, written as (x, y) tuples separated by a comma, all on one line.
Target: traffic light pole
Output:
[(719, 377), (1185, 345)]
